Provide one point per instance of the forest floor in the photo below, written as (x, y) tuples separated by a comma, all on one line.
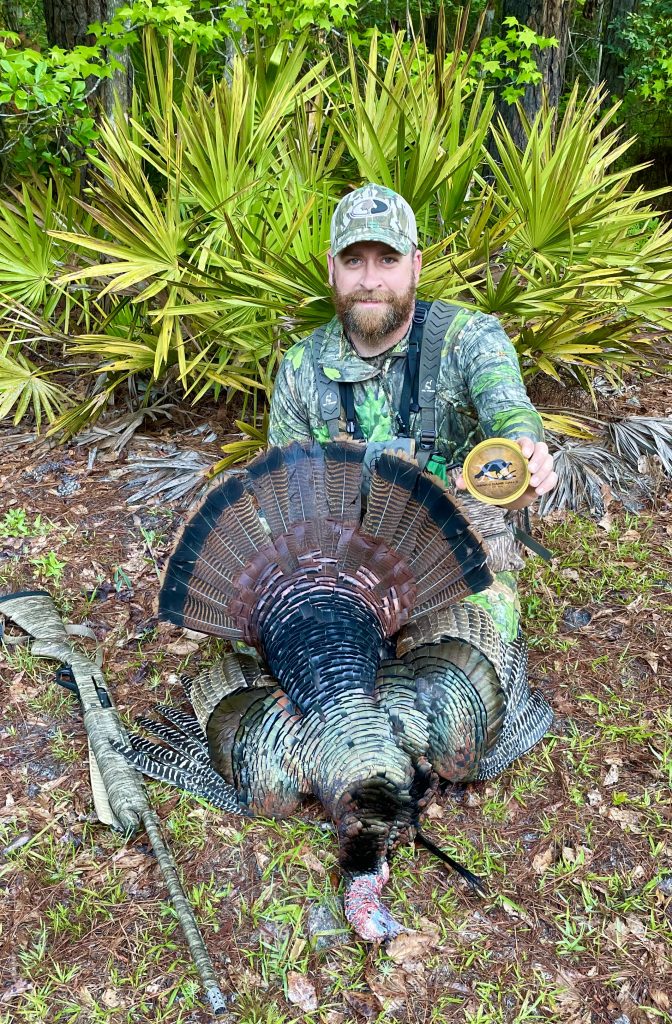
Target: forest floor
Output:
[(575, 841)]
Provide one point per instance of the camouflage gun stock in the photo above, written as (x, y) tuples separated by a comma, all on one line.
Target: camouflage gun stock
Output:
[(119, 795)]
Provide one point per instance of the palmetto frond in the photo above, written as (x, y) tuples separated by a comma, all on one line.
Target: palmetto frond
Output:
[(588, 476), (24, 386), (637, 437)]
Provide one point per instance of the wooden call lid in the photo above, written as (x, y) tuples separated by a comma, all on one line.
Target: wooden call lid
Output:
[(496, 471)]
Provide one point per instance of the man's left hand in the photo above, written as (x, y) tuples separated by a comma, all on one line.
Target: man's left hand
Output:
[(542, 476)]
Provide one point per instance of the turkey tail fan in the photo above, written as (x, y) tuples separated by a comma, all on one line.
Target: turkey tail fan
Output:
[(268, 475), (306, 485), (443, 552), (343, 481), (214, 547), (391, 488)]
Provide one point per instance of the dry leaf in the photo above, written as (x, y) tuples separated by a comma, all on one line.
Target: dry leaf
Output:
[(310, 861), (410, 946), (363, 1003), (301, 991), (111, 998), (542, 861), (183, 647), (660, 998), (570, 574), (129, 859), (390, 991), (261, 858), (611, 778), (625, 818), (17, 989), (636, 925), (606, 522), (434, 811), (652, 661)]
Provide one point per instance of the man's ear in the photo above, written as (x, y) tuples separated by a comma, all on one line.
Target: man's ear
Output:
[(330, 264)]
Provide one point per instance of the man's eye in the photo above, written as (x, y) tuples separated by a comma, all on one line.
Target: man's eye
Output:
[(389, 261)]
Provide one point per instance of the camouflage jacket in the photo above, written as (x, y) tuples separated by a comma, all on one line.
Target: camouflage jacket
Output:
[(480, 392)]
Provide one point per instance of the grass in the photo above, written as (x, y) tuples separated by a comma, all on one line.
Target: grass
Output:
[(574, 865)]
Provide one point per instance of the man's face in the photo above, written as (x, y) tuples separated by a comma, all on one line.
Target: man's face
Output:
[(374, 289)]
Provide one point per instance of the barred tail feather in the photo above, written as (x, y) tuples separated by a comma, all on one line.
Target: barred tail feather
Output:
[(210, 786), (185, 723)]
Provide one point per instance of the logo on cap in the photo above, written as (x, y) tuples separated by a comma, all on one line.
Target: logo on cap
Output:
[(368, 208)]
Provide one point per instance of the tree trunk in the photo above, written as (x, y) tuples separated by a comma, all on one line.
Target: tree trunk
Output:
[(611, 65), (67, 22), (546, 18)]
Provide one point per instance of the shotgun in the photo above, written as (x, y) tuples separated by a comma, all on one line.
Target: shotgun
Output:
[(118, 792)]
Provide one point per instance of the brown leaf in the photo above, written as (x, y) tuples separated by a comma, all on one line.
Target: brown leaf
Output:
[(391, 991), (182, 647), (660, 998), (611, 778), (652, 661), (363, 1003), (17, 989), (129, 859), (434, 811), (310, 861), (111, 998), (626, 819), (542, 861), (301, 991), (410, 946), (261, 858)]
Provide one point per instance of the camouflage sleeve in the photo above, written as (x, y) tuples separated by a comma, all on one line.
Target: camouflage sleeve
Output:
[(288, 419), (491, 371)]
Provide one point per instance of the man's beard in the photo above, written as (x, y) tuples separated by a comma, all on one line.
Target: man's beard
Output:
[(374, 323)]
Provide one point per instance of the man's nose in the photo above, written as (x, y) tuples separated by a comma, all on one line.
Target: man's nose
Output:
[(370, 279)]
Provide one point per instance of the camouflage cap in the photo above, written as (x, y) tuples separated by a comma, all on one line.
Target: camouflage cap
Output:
[(373, 213)]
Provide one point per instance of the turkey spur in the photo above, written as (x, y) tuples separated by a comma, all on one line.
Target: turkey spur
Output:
[(289, 562)]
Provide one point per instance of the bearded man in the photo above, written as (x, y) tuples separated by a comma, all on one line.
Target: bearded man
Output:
[(369, 355)]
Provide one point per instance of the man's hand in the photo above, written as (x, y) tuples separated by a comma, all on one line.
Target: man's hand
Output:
[(542, 477)]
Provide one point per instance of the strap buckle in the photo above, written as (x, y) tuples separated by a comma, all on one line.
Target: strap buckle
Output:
[(420, 314), (427, 440)]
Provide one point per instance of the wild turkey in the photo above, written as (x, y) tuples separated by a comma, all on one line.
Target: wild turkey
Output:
[(288, 562)]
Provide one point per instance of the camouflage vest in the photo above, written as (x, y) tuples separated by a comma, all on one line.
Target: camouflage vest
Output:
[(431, 321)]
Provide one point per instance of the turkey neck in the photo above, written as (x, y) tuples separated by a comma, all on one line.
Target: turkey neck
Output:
[(323, 648)]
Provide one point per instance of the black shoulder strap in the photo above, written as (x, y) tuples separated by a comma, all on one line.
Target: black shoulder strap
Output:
[(440, 316), (330, 399)]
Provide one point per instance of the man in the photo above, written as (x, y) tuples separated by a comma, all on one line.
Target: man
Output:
[(374, 267)]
